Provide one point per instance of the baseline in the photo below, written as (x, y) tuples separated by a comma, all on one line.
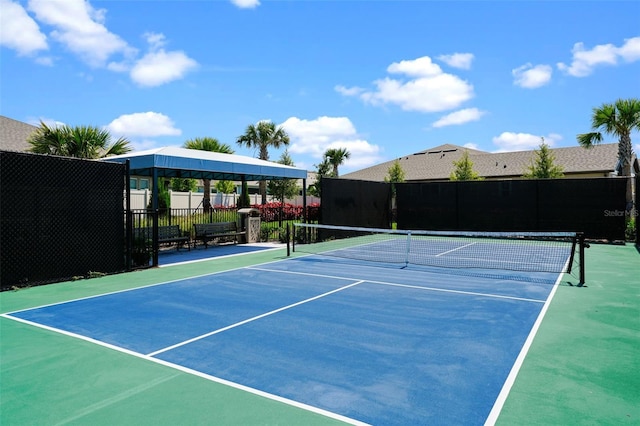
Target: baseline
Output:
[(193, 372)]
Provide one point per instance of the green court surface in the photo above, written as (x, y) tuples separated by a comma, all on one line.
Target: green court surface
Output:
[(582, 368)]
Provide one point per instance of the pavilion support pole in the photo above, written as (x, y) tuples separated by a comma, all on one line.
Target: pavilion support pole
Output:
[(244, 194), (304, 200), (154, 215)]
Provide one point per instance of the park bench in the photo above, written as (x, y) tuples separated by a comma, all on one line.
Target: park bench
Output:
[(217, 231), (167, 235)]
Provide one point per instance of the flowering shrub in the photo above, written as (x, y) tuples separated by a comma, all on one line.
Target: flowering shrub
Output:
[(274, 211), (271, 212)]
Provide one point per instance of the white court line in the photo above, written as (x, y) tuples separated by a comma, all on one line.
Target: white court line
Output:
[(457, 248), (238, 324), (197, 373), (141, 287), (515, 369), (443, 290)]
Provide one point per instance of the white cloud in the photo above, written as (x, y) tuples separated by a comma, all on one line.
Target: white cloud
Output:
[(314, 137), (531, 77), (420, 67), (458, 60), (80, 28), (143, 124), (362, 153), (428, 94), (630, 50), (348, 91), (157, 68), (156, 40), (585, 61), (459, 117), (471, 145), (427, 90), (246, 4), (509, 141), (18, 31), (44, 60)]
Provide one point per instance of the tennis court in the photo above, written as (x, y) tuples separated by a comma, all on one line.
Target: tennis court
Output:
[(308, 339)]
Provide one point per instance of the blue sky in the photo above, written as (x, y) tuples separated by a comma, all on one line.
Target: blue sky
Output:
[(381, 78)]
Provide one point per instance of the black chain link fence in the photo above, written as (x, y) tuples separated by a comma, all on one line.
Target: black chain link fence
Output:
[(61, 218), (594, 206)]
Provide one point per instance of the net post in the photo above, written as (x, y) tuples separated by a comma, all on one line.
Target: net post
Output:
[(287, 236), (582, 246), (574, 242)]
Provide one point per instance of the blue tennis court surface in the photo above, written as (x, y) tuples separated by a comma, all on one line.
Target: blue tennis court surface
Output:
[(374, 344), (173, 256)]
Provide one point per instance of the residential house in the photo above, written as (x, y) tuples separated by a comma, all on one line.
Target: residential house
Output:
[(436, 164), (14, 134)]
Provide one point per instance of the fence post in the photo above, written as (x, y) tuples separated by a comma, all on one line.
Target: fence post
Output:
[(155, 248), (128, 217)]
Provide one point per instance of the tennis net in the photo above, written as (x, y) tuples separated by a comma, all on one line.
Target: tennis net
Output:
[(511, 251)]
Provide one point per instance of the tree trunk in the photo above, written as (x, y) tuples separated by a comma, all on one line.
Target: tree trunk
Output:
[(263, 191), (625, 154), (264, 155)]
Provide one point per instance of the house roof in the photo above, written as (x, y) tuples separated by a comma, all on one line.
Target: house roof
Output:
[(191, 163), (14, 134), (437, 163)]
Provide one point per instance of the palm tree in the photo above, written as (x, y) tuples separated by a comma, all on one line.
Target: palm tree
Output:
[(211, 145), (78, 141), (619, 119), (262, 136), (335, 157), (323, 169)]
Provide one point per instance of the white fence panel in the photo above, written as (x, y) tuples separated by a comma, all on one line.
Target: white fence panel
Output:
[(140, 199)]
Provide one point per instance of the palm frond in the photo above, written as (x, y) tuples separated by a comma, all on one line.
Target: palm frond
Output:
[(119, 147), (208, 144), (587, 140), (78, 141)]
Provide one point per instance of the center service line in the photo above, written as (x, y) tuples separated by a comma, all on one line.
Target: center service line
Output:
[(186, 342)]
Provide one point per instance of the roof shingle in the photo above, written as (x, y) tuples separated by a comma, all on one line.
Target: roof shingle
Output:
[(14, 134), (437, 163)]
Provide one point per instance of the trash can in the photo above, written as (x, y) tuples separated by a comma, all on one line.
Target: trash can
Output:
[(250, 224)]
